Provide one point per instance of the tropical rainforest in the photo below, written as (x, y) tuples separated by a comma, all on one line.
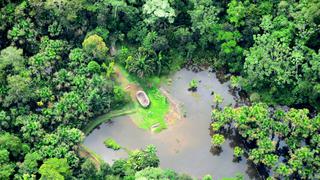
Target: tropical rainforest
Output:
[(56, 75)]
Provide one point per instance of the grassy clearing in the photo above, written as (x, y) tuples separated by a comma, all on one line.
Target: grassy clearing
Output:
[(154, 115)]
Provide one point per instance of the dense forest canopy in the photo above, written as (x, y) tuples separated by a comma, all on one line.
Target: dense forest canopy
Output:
[(56, 75), (286, 143)]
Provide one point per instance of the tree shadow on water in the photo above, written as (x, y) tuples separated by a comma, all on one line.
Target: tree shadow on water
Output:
[(237, 159), (216, 151), (253, 171)]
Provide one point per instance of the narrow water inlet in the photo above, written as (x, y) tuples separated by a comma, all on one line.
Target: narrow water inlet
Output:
[(186, 145)]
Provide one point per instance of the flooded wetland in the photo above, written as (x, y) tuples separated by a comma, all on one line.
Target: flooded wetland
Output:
[(184, 146)]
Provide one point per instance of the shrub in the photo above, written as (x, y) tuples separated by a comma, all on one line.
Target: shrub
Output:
[(217, 98), (217, 139), (95, 47), (93, 67), (238, 152), (111, 143), (193, 85), (207, 177)]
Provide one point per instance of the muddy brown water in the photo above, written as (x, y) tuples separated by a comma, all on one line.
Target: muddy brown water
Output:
[(184, 146)]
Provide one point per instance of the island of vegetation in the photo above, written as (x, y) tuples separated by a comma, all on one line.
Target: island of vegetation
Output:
[(67, 66), (111, 143)]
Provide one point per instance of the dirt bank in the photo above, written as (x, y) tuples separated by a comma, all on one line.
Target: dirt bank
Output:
[(175, 112)]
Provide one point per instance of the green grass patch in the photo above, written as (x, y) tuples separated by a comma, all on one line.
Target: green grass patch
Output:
[(111, 143), (155, 114), (153, 117)]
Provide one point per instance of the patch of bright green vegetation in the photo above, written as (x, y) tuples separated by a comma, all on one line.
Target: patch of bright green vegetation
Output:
[(238, 176), (111, 143), (238, 151), (217, 139), (193, 85), (217, 98), (154, 115)]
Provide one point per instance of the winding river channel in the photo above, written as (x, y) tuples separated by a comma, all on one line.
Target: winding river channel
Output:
[(186, 145)]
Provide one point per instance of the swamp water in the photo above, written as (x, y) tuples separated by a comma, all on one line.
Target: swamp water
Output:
[(186, 145)]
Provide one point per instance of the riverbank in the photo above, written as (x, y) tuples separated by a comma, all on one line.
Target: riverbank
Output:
[(84, 151), (175, 110), (126, 110)]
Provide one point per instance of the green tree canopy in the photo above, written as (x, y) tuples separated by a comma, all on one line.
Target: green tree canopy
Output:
[(55, 169), (95, 47), (155, 10)]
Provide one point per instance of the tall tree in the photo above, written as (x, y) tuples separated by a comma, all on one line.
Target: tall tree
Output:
[(55, 169)]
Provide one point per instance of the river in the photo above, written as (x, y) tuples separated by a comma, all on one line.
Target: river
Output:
[(186, 145)]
